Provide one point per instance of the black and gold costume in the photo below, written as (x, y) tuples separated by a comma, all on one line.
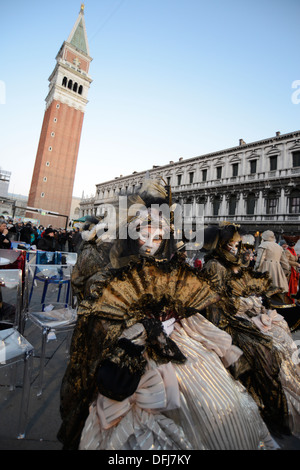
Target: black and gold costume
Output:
[(133, 384), (266, 367)]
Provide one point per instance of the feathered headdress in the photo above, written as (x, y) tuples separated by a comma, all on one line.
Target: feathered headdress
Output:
[(153, 189), (221, 235)]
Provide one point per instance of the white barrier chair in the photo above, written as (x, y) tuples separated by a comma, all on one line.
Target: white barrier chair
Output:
[(14, 348), (43, 309)]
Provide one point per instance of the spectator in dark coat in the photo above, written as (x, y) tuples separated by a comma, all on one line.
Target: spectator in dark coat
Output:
[(48, 241), (25, 234), (62, 239), (5, 242), (76, 240)]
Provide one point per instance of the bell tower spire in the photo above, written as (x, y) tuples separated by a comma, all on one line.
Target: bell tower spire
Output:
[(78, 37), (72, 68), (54, 171)]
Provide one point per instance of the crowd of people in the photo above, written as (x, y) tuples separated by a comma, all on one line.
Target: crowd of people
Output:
[(39, 237)]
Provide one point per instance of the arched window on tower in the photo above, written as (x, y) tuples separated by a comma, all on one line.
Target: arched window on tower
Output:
[(70, 84), (64, 81), (75, 87), (80, 89)]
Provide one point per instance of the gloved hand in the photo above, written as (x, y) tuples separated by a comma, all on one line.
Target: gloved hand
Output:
[(135, 333)]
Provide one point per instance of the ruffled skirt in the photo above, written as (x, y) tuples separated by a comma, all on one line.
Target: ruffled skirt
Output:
[(193, 406), (274, 325)]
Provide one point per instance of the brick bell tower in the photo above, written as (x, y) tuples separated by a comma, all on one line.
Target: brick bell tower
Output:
[(55, 165)]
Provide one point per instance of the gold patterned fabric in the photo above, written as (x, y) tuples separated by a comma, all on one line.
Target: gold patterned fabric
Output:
[(152, 288)]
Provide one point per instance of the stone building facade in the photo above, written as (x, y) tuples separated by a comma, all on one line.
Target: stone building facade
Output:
[(253, 184)]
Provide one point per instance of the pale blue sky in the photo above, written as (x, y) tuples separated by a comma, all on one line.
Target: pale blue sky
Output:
[(171, 79)]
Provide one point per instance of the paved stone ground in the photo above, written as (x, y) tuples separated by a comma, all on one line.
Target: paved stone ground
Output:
[(43, 416)]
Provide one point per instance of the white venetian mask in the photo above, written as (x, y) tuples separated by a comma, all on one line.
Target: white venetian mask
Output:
[(150, 240)]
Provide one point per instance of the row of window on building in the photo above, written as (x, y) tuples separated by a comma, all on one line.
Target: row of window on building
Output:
[(271, 202), (235, 169)]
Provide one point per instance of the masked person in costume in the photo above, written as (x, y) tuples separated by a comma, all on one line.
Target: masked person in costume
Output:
[(246, 311), (147, 371)]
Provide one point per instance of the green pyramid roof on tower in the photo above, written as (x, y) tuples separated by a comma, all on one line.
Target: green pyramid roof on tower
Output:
[(78, 39)]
